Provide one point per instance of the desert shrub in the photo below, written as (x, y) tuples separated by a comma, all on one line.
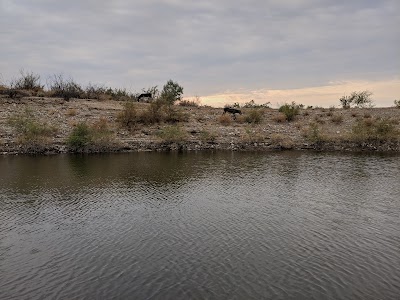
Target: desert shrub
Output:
[(191, 103), (71, 112), (30, 130), (254, 116), (95, 137), (252, 136), (128, 116), (252, 104), (207, 136), (282, 141), (359, 99), (397, 103), (225, 119), (313, 133), (171, 92), (337, 119), (65, 88), (290, 110), (279, 118), (173, 115), (27, 81), (80, 137), (369, 129), (172, 133), (154, 113)]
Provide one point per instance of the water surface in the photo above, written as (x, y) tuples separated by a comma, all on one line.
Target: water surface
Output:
[(287, 225)]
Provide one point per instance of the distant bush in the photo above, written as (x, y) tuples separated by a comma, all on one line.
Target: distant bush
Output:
[(190, 103), (254, 116), (290, 110), (27, 81), (359, 99), (397, 103), (252, 104), (80, 137), (65, 88)]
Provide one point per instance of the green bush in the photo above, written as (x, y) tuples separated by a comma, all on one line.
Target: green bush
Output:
[(171, 92), (80, 137), (128, 117), (290, 110)]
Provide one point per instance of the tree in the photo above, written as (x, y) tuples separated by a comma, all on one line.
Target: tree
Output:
[(171, 92), (359, 99)]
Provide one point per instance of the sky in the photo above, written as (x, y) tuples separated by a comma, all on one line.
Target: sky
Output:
[(224, 51)]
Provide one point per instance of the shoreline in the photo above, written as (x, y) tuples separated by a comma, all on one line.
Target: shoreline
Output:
[(203, 129)]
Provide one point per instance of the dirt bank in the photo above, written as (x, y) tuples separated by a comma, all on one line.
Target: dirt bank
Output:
[(318, 128)]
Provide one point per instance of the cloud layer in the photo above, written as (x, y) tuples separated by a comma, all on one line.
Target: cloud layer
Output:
[(210, 47)]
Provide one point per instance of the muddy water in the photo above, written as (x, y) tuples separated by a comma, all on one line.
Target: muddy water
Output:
[(287, 225)]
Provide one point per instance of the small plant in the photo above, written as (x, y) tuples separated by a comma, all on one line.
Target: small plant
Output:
[(71, 112), (207, 136), (337, 119), (31, 131), (254, 116), (128, 116), (290, 110), (397, 103), (190, 103), (172, 134), (80, 137), (313, 133), (282, 141), (279, 118), (225, 119), (252, 136)]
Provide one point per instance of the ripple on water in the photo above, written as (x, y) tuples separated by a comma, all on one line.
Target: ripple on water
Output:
[(218, 226)]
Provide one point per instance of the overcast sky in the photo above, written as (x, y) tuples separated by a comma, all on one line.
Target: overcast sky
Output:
[(308, 51)]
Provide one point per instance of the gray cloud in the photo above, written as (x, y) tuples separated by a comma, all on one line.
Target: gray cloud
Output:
[(208, 46)]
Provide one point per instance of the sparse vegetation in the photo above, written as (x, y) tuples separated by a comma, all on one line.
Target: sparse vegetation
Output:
[(375, 130), (32, 133), (27, 81), (225, 119), (172, 134), (96, 137), (290, 110), (397, 103), (190, 103), (207, 136), (254, 116), (64, 88), (252, 104), (337, 119)]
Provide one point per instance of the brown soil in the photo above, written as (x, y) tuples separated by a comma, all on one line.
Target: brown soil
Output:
[(203, 129)]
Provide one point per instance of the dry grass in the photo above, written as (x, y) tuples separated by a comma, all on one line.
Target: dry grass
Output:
[(279, 118), (282, 141), (337, 119), (225, 119)]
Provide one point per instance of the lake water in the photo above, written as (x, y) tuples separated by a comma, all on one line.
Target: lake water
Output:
[(276, 225)]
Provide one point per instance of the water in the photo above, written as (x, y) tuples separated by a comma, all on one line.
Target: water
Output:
[(287, 225)]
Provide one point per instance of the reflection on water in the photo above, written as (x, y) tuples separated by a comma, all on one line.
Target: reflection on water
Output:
[(200, 225)]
